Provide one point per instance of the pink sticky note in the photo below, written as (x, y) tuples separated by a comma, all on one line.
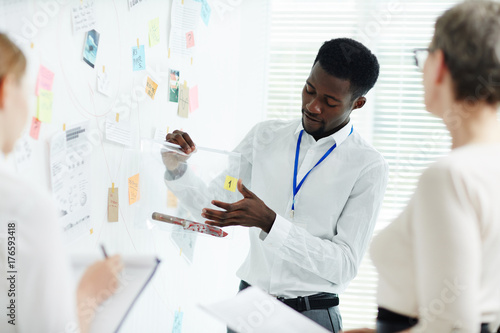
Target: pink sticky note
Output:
[(189, 39), (193, 99), (35, 128), (44, 80)]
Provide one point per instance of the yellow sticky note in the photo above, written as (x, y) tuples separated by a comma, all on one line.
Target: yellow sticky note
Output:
[(151, 88), (154, 32), (44, 108), (134, 193), (113, 208), (230, 183), (91, 231), (172, 201)]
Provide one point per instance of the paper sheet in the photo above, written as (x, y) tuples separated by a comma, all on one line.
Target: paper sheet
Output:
[(119, 132), (44, 107), (154, 32), (83, 16), (193, 99), (183, 106), (103, 83), (253, 310), (184, 18), (70, 179)]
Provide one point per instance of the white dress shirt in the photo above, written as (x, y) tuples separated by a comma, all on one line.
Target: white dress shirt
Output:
[(321, 247), (439, 260), (44, 294)]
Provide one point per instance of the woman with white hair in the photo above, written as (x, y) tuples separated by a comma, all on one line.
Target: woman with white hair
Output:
[(439, 261)]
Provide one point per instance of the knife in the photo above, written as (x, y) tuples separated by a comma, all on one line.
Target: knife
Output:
[(190, 225)]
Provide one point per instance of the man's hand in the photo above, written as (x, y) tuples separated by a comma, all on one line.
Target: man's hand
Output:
[(248, 212), (171, 159), (182, 139)]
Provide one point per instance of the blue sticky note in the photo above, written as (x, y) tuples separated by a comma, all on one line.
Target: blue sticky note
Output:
[(138, 58), (177, 327), (205, 12)]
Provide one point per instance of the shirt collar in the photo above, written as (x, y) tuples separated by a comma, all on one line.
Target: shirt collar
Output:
[(338, 137)]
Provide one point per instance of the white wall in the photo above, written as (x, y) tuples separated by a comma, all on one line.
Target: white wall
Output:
[(228, 67)]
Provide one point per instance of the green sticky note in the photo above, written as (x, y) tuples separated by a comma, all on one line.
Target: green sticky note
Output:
[(44, 108), (154, 32)]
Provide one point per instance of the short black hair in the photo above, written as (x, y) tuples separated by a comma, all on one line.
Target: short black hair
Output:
[(350, 60)]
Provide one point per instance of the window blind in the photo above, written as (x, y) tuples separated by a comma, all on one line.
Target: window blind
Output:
[(399, 127)]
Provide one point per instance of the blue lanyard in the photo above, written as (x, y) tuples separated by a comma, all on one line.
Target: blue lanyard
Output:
[(297, 150)]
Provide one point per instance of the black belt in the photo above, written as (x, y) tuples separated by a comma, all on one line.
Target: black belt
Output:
[(312, 302), (306, 303)]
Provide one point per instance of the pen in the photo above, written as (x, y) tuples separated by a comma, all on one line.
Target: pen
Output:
[(104, 251)]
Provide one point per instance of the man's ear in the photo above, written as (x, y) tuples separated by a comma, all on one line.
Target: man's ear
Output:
[(359, 103)]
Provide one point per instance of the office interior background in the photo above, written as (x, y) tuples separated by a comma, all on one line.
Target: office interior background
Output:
[(250, 63)]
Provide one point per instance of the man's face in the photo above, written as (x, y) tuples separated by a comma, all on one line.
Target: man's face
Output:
[(326, 103)]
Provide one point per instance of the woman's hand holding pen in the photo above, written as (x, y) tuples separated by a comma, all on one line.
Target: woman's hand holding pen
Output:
[(97, 284), (251, 211)]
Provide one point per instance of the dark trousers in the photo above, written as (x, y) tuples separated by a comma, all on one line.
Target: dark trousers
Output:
[(328, 318)]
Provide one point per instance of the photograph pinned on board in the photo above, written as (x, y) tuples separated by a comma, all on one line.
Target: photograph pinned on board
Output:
[(174, 86), (90, 48)]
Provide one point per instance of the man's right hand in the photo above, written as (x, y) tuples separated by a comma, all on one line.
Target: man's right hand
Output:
[(182, 139), (171, 159)]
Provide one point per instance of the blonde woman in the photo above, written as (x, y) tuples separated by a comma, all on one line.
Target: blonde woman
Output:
[(39, 296), (439, 261)]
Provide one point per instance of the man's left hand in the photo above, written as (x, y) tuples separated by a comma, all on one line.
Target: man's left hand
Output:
[(250, 211)]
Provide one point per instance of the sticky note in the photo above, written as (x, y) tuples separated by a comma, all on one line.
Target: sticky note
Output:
[(230, 183), (44, 109), (44, 80), (113, 204), (134, 193), (91, 231), (154, 32), (172, 200), (183, 106), (193, 99), (138, 58), (151, 88), (35, 128), (205, 12), (189, 39), (177, 326)]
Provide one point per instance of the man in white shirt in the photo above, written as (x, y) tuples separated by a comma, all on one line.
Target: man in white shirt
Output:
[(316, 187)]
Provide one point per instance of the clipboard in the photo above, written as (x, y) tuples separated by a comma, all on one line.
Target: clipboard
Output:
[(137, 272)]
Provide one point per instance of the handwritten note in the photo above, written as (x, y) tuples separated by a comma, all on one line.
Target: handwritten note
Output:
[(138, 58), (134, 193), (230, 183), (23, 153), (193, 99), (84, 16), (151, 88), (44, 110), (119, 132), (154, 32), (35, 128), (189, 39), (183, 107), (103, 83), (113, 204), (177, 326), (44, 80), (205, 12)]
